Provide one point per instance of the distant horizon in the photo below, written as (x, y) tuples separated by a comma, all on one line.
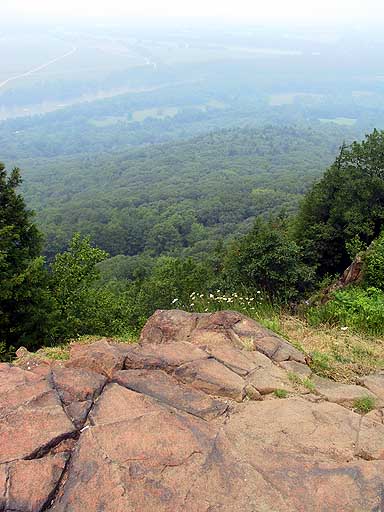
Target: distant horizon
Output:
[(275, 13)]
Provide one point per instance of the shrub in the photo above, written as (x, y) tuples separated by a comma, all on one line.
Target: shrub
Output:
[(361, 309), (374, 264)]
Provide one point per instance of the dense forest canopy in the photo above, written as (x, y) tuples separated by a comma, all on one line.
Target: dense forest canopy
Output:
[(179, 198), (283, 258)]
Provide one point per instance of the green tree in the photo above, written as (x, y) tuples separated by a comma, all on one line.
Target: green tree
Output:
[(266, 259), (374, 263), (25, 300), (73, 273), (346, 205)]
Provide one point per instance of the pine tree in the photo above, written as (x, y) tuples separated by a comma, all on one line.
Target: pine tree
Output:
[(25, 299)]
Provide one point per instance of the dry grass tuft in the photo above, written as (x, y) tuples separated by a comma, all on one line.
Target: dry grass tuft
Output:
[(338, 354)]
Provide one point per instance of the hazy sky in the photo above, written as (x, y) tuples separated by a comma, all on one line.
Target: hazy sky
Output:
[(313, 10)]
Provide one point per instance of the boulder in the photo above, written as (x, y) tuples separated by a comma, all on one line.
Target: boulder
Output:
[(168, 426), (217, 329)]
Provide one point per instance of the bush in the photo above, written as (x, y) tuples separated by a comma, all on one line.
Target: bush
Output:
[(361, 309), (374, 264), (266, 259)]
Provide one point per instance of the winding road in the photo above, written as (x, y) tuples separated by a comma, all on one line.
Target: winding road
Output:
[(38, 68)]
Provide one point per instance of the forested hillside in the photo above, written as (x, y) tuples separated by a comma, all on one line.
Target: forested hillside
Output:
[(178, 199)]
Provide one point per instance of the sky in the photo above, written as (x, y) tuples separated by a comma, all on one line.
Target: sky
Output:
[(362, 11)]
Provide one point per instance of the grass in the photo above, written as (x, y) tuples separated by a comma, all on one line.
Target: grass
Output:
[(341, 355), (306, 382), (358, 308), (364, 404), (61, 352), (335, 352), (280, 393)]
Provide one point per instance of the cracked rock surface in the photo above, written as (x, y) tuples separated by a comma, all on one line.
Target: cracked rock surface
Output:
[(187, 420)]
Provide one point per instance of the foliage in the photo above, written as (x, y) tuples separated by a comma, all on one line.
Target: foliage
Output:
[(364, 404), (374, 264), (357, 308), (307, 383), (319, 363), (177, 199), (346, 205), (73, 272), (266, 259), (280, 393), (25, 301)]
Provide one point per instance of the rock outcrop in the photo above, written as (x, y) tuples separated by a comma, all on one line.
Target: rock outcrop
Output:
[(190, 420)]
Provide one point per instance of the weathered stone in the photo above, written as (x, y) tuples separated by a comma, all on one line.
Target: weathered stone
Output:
[(78, 412), (168, 326), (32, 483), (209, 338), (31, 415), (340, 393), (302, 370), (371, 439), (324, 430), (213, 378), (77, 389), (146, 445), (159, 460), (100, 357), (375, 384), (166, 356), (77, 384), (119, 404), (12, 377), (216, 329), (377, 415), (266, 341), (168, 390), (269, 379), (235, 359), (3, 483)]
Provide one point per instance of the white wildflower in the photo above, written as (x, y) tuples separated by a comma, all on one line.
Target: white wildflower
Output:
[(343, 328), (174, 300)]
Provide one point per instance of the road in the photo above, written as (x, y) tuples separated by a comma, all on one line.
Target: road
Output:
[(39, 68)]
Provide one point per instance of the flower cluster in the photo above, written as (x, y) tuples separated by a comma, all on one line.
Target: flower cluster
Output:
[(218, 300)]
